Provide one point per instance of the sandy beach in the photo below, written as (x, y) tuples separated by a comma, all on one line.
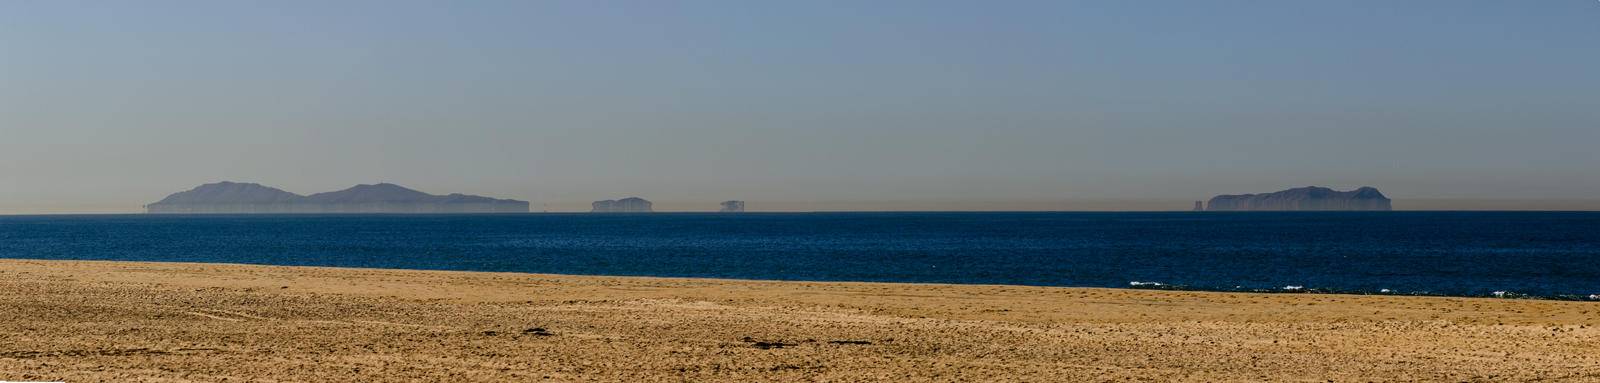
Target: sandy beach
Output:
[(124, 321)]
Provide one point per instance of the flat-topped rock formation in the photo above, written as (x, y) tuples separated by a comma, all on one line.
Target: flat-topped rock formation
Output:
[(249, 198), (732, 207), (1306, 198), (625, 205)]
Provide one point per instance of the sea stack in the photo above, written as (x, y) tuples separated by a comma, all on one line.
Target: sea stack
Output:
[(732, 206), (1300, 199), (248, 198), (625, 205), (1198, 206)]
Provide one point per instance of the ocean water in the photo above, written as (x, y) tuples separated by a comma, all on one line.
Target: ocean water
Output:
[(1532, 254)]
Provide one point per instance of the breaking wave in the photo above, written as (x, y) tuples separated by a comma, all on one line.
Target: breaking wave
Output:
[(1301, 289)]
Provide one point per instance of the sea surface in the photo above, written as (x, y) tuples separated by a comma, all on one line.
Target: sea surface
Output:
[(1552, 255)]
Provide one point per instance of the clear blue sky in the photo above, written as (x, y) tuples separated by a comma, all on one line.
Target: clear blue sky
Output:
[(109, 105)]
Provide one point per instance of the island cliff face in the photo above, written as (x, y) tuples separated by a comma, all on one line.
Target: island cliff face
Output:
[(1306, 198), (625, 205), (249, 198)]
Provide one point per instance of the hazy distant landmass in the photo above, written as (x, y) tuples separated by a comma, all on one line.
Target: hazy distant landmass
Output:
[(1306, 198), (733, 206), (250, 198), (625, 205)]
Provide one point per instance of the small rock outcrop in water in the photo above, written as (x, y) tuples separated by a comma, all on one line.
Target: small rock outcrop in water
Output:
[(733, 206), (1198, 206), (1306, 198), (625, 205), (249, 198)]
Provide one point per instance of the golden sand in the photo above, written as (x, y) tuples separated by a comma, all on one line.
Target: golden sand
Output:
[(126, 321)]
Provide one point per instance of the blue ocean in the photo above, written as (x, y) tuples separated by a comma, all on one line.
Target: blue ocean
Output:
[(1552, 255)]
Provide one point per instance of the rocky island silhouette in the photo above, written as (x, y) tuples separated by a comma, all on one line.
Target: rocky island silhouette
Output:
[(1306, 198), (625, 205), (250, 198)]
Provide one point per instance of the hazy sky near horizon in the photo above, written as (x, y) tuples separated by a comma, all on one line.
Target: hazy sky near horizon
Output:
[(110, 105)]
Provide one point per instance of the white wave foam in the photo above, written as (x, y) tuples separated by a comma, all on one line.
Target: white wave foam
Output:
[(1152, 284), (1386, 291), (1294, 288), (1499, 294)]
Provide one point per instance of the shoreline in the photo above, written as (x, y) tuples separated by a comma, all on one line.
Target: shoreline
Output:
[(1133, 285), (91, 320)]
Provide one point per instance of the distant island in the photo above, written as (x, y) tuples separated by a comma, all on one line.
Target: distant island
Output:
[(732, 206), (1306, 198), (249, 198), (625, 205)]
